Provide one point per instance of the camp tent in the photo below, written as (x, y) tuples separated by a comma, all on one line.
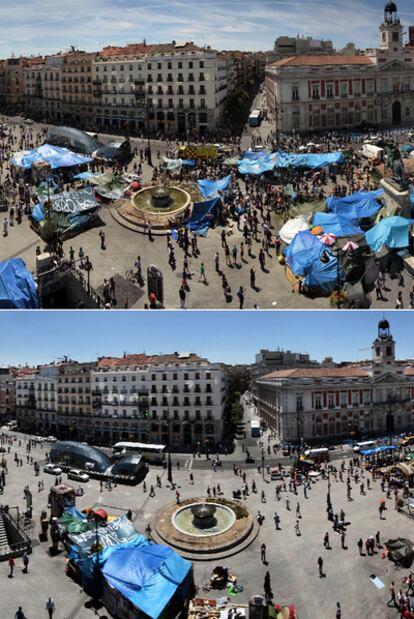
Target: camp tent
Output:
[(304, 258), (77, 139), (289, 230), (336, 224), (18, 289), (55, 156), (356, 206), (401, 551), (147, 575), (212, 189), (390, 231)]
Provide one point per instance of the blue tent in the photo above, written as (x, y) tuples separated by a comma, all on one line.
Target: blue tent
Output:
[(55, 156), (303, 256), (407, 148), (377, 450), (147, 575), (259, 162), (203, 216), (358, 205), (210, 189), (256, 162), (390, 231), (17, 286), (337, 225)]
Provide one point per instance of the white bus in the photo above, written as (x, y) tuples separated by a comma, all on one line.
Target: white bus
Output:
[(318, 455), (365, 445), (150, 452), (255, 428), (255, 118)]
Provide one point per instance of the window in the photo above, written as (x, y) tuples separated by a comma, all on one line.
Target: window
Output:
[(370, 87), (159, 65), (315, 91), (180, 65), (295, 93), (357, 88), (201, 77), (180, 77), (201, 64), (148, 67), (395, 37), (170, 65), (344, 89), (190, 64)]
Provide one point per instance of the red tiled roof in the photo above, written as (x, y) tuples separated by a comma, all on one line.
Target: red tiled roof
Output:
[(147, 360), (143, 49), (409, 371), (311, 61), (349, 371)]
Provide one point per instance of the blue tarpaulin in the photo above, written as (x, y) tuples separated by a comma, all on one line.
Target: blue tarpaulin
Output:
[(189, 163), (17, 286), (377, 450), (203, 216), (55, 156), (339, 226), (407, 148), (390, 231), (210, 189), (259, 162), (147, 575), (358, 205), (303, 256)]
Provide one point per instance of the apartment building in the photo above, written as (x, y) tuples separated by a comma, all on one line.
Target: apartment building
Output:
[(176, 399), (7, 393), (76, 89), (36, 398)]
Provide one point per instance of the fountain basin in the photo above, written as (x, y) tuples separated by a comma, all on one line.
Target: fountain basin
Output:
[(215, 518), (158, 200)]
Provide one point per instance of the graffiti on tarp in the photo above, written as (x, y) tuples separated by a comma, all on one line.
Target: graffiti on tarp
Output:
[(117, 532), (74, 201)]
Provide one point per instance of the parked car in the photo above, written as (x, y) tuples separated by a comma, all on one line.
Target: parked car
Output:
[(51, 439), (53, 469), (77, 475)]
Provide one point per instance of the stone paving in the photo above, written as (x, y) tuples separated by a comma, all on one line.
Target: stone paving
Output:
[(272, 291), (291, 558)]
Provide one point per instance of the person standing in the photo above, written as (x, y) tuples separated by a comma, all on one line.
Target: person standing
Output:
[(393, 598), (360, 545), (12, 564), (50, 607), (297, 529), (326, 541), (268, 588), (240, 295), (399, 301), (20, 614), (263, 553), (202, 277), (338, 611), (320, 567), (25, 560), (102, 238), (182, 295)]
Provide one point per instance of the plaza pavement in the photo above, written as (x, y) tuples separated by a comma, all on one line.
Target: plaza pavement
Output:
[(273, 290), (292, 559)]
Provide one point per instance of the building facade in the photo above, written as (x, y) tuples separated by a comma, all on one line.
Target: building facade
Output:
[(36, 399), (42, 88), (325, 403), (321, 92), (7, 394), (76, 88), (174, 399), (172, 88)]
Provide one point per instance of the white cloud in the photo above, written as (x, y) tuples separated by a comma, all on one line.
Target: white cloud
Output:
[(44, 26)]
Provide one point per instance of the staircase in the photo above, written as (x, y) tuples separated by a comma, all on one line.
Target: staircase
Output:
[(4, 544)]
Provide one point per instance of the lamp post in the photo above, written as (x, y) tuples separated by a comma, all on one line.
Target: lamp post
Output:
[(169, 468), (263, 463)]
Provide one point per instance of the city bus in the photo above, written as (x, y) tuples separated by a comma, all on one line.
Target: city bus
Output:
[(255, 429), (153, 453), (365, 445), (318, 455), (255, 118)]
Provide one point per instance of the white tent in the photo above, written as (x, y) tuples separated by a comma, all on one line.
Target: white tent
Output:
[(289, 230)]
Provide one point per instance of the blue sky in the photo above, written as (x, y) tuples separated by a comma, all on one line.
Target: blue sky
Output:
[(232, 337), (47, 26)]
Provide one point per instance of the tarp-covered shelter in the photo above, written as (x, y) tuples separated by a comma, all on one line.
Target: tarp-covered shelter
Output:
[(212, 189), (147, 575), (304, 258), (337, 225), (290, 229), (401, 551), (204, 216), (390, 231), (18, 289), (262, 161), (55, 156), (356, 206)]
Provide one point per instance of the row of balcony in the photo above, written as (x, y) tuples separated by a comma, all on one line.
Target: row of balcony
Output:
[(333, 406)]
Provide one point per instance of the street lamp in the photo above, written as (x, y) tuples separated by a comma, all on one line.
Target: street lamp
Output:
[(169, 468), (263, 463)]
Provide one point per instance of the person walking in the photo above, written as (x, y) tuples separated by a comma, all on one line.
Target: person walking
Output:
[(25, 560), (343, 540), (202, 277), (320, 567), (182, 294), (360, 545), (12, 564), (393, 598), (276, 518), (240, 295), (263, 553), (50, 607), (268, 588), (399, 301), (326, 541), (297, 529), (20, 614), (253, 278), (102, 238), (338, 611)]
